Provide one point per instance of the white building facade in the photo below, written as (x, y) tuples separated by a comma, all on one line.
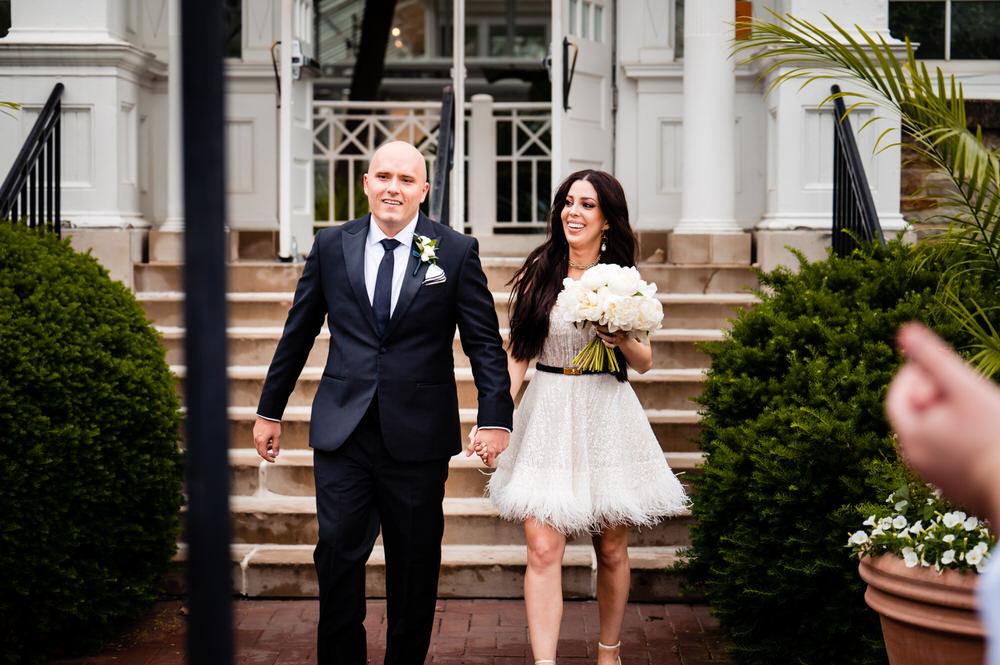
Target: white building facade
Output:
[(715, 168)]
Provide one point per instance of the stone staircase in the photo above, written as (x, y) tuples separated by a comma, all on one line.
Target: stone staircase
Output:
[(273, 506)]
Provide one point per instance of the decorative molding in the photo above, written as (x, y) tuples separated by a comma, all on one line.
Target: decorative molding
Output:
[(240, 155)]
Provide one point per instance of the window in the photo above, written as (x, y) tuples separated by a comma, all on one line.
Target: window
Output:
[(948, 29), (4, 17)]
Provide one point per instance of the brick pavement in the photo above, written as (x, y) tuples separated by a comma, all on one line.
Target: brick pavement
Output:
[(466, 632)]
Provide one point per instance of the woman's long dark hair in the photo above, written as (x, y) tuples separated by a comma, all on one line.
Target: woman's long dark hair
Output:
[(536, 284)]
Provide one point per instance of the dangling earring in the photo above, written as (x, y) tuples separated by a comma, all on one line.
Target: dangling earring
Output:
[(604, 240)]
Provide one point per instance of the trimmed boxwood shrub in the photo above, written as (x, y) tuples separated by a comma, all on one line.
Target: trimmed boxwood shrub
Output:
[(90, 467), (793, 421)]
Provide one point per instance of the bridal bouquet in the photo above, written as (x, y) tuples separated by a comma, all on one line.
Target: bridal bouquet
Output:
[(613, 296)]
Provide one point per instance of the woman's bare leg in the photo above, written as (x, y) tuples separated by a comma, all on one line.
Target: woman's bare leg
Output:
[(543, 587), (613, 577)]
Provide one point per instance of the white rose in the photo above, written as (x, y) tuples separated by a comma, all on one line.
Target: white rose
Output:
[(598, 276), (858, 538), (948, 557), (623, 315), (647, 289), (649, 314), (624, 282)]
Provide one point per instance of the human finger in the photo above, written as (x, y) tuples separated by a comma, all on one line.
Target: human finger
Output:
[(933, 355)]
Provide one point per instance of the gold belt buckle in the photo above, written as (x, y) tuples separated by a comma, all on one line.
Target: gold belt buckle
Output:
[(572, 371)]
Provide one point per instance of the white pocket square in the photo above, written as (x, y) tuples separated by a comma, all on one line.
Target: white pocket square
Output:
[(435, 275)]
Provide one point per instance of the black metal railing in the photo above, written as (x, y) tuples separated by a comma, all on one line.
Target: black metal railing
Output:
[(445, 157), (854, 216), (31, 191)]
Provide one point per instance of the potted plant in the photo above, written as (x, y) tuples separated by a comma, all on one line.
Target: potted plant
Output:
[(921, 559)]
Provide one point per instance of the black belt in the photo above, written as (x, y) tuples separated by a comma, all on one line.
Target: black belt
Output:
[(571, 371)]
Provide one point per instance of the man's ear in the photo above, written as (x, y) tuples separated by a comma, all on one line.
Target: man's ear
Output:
[(364, 181)]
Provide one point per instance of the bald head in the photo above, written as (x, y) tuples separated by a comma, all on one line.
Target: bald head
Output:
[(396, 185)]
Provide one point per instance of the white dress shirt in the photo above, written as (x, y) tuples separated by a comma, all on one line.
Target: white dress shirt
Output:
[(374, 253)]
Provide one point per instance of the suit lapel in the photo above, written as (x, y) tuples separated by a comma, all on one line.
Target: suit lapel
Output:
[(354, 261), (414, 276)]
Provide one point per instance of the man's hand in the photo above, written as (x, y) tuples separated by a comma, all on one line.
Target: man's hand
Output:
[(488, 444), (266, 435)]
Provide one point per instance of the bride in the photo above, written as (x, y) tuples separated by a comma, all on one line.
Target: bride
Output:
[(582, 457)]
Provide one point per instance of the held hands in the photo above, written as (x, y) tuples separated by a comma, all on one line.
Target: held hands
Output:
[(488, 444), (266, 435)]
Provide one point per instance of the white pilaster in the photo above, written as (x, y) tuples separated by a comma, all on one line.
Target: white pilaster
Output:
[(175, 176), (709, 179), (61, 22)]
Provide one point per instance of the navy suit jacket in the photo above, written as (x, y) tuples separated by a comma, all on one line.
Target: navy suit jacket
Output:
[(409, 368)]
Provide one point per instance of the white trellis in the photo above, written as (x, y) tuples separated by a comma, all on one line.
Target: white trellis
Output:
[(345, 134)]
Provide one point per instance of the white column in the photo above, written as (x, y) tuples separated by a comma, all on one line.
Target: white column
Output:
[(709, 180), (482, 164), (175, 176)]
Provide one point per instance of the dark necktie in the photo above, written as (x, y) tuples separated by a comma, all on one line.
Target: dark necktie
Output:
[(382, 300)]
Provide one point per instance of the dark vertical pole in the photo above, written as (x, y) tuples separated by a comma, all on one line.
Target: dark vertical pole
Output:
[(57, 166), (210, 634)]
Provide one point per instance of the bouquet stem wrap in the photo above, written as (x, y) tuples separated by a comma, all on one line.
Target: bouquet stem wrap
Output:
[(596, 357)]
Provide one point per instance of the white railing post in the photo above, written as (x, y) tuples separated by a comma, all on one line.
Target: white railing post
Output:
[(482, 166)]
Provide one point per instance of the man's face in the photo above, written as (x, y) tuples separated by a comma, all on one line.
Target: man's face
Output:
[(396, 184)]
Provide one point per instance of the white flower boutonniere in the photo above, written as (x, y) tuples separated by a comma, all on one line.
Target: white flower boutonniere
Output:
[(425, 250)]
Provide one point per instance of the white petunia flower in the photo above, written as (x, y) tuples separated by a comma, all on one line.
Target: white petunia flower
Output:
[(900, 505), (885, 523), (948, 557), (916, 527), (858, 538), (949, 538), (953, 519), (898, 522), (974, 558), (910, 557), (971, 523), (870, 521)]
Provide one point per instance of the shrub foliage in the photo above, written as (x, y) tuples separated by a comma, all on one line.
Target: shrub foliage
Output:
[(90, 466), (793, 423)]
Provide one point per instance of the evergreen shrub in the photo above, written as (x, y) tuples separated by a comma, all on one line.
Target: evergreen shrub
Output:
[(90, 466), (793, 424)]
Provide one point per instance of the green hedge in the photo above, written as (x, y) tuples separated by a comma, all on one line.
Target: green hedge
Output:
[(90, 465), (793, 419)]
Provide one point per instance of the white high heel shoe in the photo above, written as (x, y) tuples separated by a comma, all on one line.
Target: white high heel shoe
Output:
[(613, 646)]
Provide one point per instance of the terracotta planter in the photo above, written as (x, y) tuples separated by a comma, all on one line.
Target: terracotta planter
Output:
[(927, 617)]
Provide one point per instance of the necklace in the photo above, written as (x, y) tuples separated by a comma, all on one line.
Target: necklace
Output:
[(584, 266)]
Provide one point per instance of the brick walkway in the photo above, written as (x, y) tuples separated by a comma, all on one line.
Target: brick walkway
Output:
[(466, 632)]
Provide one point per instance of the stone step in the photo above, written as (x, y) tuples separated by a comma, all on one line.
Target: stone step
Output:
[(672, 348), (291, 520), (681, 310), (292, 474), (272, 276), (467, 571), (656, 389), (675, 429)]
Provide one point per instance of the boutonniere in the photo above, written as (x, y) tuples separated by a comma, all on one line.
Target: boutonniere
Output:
[(425, 250)]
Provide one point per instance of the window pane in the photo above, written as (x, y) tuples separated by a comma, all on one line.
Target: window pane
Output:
[(471, 41), (975, 30), (585, 16), (678, 29), (598, 24), (4, 17), (573, 10), (232, 19), (922, 22)]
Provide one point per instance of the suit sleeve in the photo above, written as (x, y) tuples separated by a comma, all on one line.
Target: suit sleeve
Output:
[(480, 334), (305, 319)]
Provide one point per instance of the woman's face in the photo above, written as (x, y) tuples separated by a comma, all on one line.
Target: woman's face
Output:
[(582, 219)]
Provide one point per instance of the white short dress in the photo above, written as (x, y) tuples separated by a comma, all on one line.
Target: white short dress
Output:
[(582, 456)]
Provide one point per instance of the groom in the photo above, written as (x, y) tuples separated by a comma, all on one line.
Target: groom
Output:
[(385, 416)]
